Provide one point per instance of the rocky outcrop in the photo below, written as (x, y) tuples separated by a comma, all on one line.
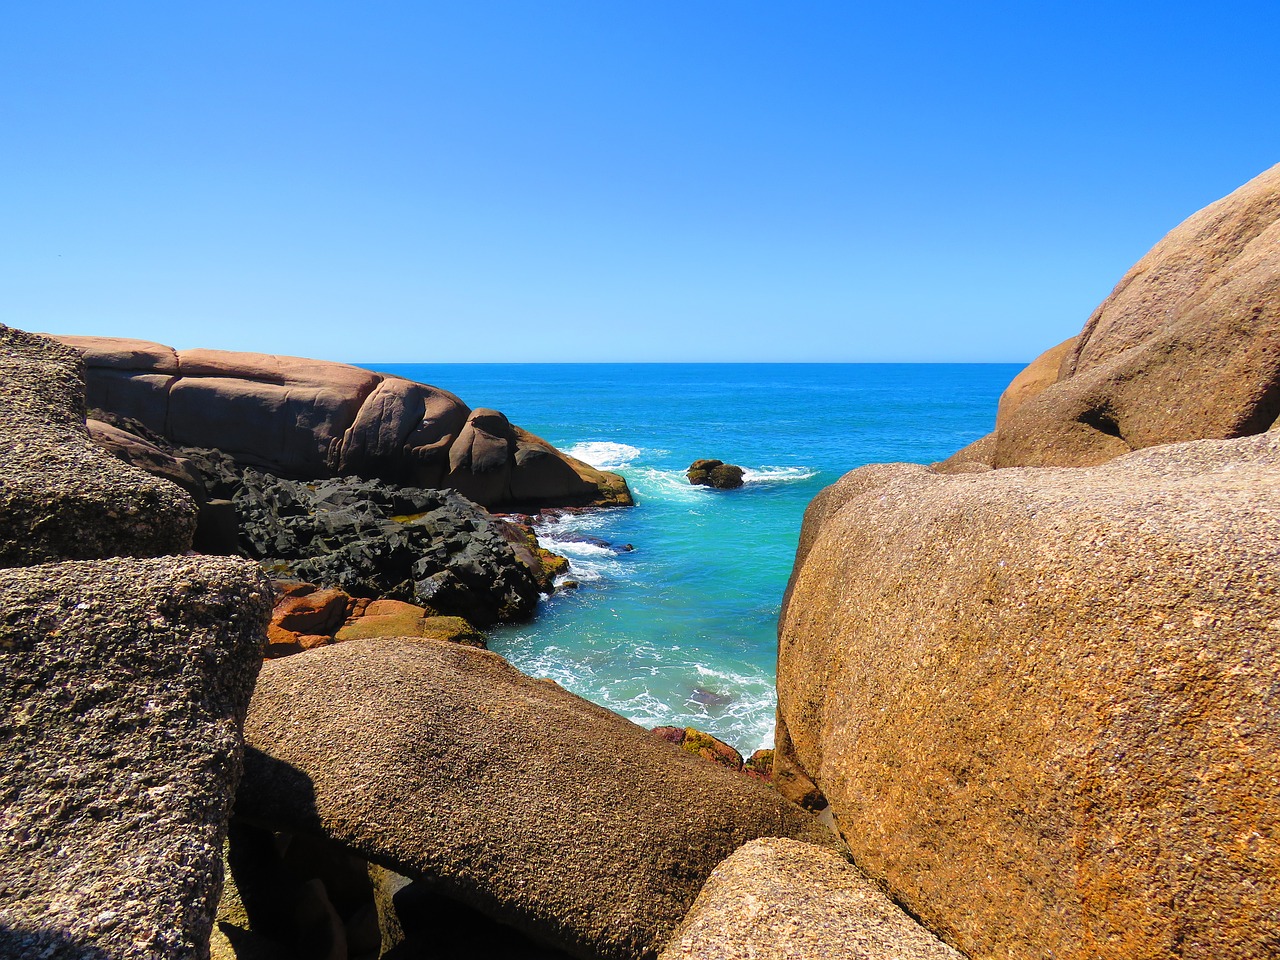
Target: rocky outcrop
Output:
[(1041, 703), (701, 744), (509, 794), (123, 684), (783, 899), (1186, 347), (62, 496), (714, 473), (376, 540), (1036, 377), (311, 419)]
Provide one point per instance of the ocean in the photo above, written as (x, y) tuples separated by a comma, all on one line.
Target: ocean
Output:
[(675, 614)]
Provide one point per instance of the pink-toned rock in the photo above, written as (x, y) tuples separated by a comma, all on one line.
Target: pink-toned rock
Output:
[(312, 419)]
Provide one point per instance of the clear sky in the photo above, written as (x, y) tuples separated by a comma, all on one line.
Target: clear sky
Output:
[(609, 180)]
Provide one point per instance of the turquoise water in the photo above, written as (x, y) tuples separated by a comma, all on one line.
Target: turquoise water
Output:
[(681, 629)]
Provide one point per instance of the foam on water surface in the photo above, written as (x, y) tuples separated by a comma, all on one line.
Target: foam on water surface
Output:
[(681, 630)]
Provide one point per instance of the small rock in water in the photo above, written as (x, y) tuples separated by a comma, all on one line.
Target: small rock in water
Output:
[(710, 698), (714, 473)]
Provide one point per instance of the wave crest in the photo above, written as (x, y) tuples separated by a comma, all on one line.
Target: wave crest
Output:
[(604, 454)]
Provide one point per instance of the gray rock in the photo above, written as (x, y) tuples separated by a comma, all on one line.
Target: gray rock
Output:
[(62, 496), (542, 810), (123, 686), (783, 899)]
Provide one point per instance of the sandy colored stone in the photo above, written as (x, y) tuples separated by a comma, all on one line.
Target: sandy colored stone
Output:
[(509, 794), (784, 900), (1186, 347), (1042, 703), (1037, 376), (123, 686), (61, 495)]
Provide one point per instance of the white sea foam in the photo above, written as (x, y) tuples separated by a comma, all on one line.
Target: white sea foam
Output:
[(777, 474), (604, 454)]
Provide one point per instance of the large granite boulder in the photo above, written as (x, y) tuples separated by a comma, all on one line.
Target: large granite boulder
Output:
[(61, 495), (1042, 703), (123, 687), (312, 419), (784, 899), (510, 794), (1186, 347)]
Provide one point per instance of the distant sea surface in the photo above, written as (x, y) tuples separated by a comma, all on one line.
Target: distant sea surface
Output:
[(681, 629)]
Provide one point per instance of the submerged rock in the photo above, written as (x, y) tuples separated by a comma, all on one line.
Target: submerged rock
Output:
[(1041, 703), (715, 473), (123, 685), (509, 794)]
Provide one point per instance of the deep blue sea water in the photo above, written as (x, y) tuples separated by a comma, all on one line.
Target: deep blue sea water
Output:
[(682, 629)]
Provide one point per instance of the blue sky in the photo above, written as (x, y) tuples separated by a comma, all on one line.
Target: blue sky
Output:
[(608, 180)]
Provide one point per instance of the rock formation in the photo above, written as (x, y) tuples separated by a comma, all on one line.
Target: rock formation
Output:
[(538, 808), (311, 419), (714, 473), (123, 685), (62, 496), (1186, 347), (1041, 702), (783, 900)]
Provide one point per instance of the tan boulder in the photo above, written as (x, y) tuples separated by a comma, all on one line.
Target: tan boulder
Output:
[(1186, 347), (1041, 703), (509, 794), (785, 900), (1037, 376)]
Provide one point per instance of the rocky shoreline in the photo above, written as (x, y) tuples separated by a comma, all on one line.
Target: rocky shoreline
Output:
[(1033, 687)]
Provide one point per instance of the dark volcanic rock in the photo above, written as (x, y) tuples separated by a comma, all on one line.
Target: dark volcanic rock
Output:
[(373, 539), (123, 686), (714, 473), (510, 794), (62, 496)]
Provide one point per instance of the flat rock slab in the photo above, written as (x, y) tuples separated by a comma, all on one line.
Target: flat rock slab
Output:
[(1042, 702), (61, 495), (783, 899), (123, 686), (544, 811)]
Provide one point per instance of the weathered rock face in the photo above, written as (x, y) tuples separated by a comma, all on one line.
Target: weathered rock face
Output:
[(123, 684), (1186, 347), (1042, 702), (714, 473), (62, 496), (542, 810), (310, 419), (783, 899), (373, 539)]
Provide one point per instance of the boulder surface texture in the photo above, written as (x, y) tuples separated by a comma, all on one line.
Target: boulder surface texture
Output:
[(1186, 347), (312, 419), (509, 794), (375, 539), (61, 495), (123, 686), (1042, 703), (784, 899)]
